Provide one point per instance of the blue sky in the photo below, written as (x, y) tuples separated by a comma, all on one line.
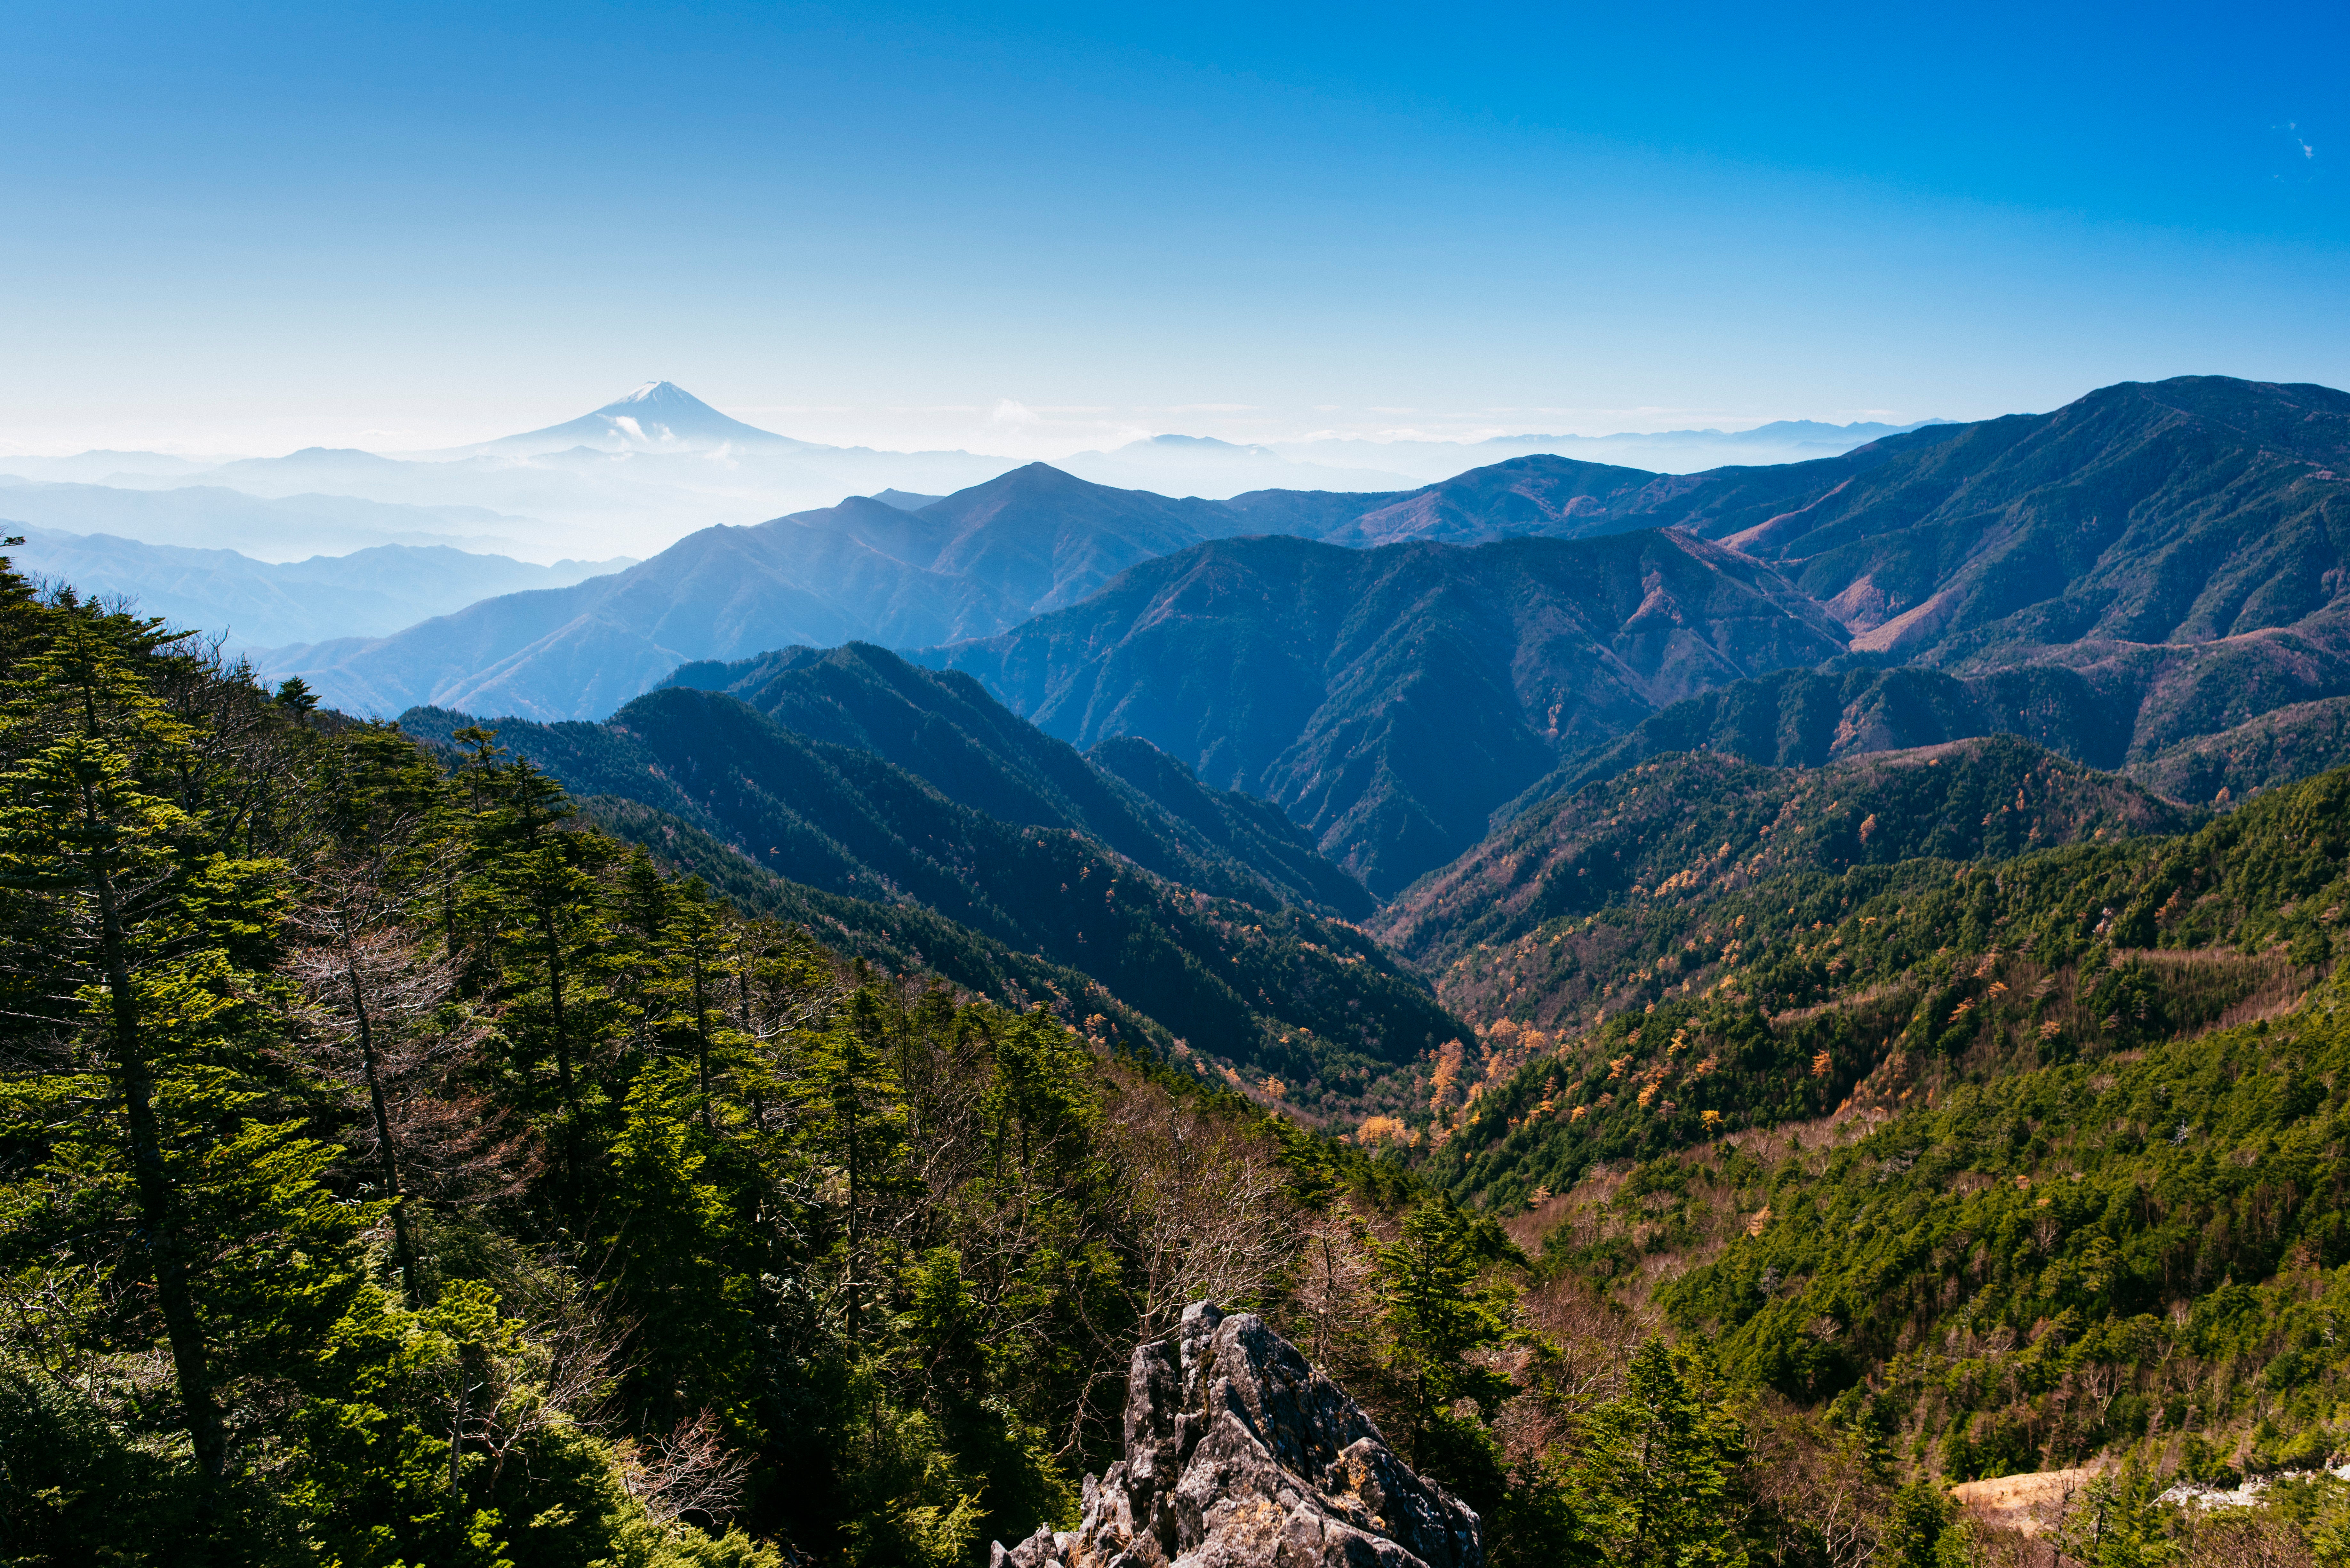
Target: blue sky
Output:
[(1032, 229)]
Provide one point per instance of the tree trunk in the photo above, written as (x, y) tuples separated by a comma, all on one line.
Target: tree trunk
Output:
[(701, 1041), (403, 1249), (166, 1254), (562, 1053)]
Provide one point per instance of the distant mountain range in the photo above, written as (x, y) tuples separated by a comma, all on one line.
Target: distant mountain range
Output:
[(656, 417), (105, 466), (2148, 565), (907, 572), (1664, 452), (582, 497), (1389, 699), (219, 517), (968, 565), (646, 469), (1201, 466), (2138, 579), (258, 605)]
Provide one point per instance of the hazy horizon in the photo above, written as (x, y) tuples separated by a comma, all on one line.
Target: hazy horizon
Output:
[(1027, 435)]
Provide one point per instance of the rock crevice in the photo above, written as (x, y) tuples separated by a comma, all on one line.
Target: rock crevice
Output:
[(1238, 1452)]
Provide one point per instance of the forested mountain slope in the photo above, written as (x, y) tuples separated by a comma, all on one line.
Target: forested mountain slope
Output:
[(397, 1169), (2002, 1164), (2145, 568), (1807, 718), (2093, 1254), (2194, 511), (1310, 1003), (1524, 497), (896, 937), (1390, 699), (2280, 745), (1781, 996), (944, 728), (1695, 825)]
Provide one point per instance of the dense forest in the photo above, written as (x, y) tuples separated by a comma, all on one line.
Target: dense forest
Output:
[(399, 1170), (403, 1165)]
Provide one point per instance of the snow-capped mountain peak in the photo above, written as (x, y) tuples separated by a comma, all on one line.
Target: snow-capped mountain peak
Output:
[(658, 417)]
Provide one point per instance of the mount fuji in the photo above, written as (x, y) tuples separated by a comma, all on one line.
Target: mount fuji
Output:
[(658, 417)]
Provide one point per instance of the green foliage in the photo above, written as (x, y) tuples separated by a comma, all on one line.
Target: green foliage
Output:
[(2167, 1232), (1440, 1312), (1135, 799), (2115, 1523), (688, 1210), (1690, 827), (1914, 1527), (395, 1168), (1804, 988), (1657, 1467), (1058, 891)]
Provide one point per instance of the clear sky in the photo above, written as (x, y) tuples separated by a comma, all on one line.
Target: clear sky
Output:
[(1030, 228)]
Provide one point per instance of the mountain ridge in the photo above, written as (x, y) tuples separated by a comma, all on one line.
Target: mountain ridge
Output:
[(1696, 825), (259, 604), (2187, 537), (967, 564), (1389, 699), (944, 728), (1308, 1001)]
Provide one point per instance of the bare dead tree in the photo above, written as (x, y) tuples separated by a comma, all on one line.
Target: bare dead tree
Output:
[(2256, 1540), (1205, 1211), (688, 1473), (384, 1020), (1810, 1478), (1330, 1291)]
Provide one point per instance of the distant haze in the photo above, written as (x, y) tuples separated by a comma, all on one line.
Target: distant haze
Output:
[(657, 462)]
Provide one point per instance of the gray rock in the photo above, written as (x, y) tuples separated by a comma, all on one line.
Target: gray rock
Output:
[(1240, 1455)]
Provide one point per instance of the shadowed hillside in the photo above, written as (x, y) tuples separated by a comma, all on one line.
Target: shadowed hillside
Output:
[(1693, 826), (1310, 1003), (944, 728), (2147, 566), (1390, 699)]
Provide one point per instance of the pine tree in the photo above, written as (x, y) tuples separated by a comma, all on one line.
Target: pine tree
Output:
[(537, 895), (859, 1125), (1658, 1469), (1438, 1314), (158, 1141), (106, 870), (379, 802), (696, 935)]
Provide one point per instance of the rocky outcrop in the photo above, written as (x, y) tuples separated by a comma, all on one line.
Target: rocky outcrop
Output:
[(1240, 1455)]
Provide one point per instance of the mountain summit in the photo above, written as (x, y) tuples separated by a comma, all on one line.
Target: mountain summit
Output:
[(660, 416)]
